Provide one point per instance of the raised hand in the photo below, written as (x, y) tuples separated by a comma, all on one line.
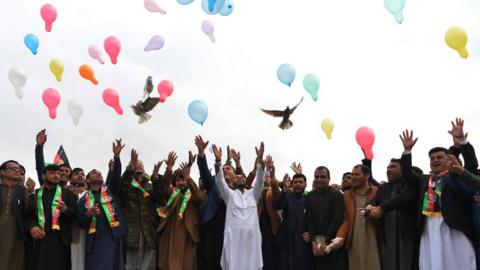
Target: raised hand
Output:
[(185, 170), (201, 145), (41, 137), (172, 157), (296, 168), (110, 164), (407, 140), (260, 150), (229, 154), (191, 158), (457, 131), (270, 166), (30, 184), (117, 147), (235, 156), (133, 159), (61, 205), (217, 152), (156, 168), (455, 166)]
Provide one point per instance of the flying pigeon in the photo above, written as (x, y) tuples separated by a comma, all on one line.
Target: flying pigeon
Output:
[(143, 107), (286, 123), (147, 90)]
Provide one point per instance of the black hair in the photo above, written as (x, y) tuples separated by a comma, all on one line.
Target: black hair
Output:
[(64, 165), (4, 164), (438, 149), (323, 168), (22, 168), (345, 174), (396, 160), (365, 169), (75, 170), (50, 167), (300, 175)]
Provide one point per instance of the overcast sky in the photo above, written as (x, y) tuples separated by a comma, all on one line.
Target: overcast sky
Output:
[(373, 72)]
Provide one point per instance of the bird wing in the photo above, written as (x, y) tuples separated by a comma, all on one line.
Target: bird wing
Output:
[(273, 113), (150, 103), (293, 109)]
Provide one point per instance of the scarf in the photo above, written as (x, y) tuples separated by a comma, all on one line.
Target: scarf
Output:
[(54, 208), (106, 203), (137, 185), (162, 211), (431, 198)]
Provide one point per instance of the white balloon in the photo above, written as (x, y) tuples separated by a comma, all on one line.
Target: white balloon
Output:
[(75, 110), (18, 78)]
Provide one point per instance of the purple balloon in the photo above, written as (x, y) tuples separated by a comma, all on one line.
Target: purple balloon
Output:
[(208, 29), (155, 43)]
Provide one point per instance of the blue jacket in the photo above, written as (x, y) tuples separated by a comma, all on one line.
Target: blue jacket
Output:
[(213, 197)]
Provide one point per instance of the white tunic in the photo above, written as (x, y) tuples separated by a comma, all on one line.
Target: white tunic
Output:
[(443, 248), (242, 243)]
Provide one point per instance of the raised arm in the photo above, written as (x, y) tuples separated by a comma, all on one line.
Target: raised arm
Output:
[(222, 186), (461, 143), (259, 181), (368, 162), (115, 176), (406, 161), (197, 195), (205, 174), (39, 159)]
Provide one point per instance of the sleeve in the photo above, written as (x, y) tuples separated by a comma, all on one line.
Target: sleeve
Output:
[(222, 186), (125, 182), (469, 157), (83, 219), (368, 163), (259, 181), (407, 197), (344, 228), (407, 172), (250, 178), (71, 202), (207, 178), (281, 201), (31, 220), (471, 180), (309, 218), (114, 177), (39, 162), (338, 215), (197, 195)]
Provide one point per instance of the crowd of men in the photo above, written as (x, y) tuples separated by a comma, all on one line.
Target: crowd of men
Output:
[(238, 221)]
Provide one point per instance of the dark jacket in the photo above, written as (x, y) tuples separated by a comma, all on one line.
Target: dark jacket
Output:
[(454, 202), (113, 191), (21, 209), (213, 197)]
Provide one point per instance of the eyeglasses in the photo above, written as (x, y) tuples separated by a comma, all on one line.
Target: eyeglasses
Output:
[(78, 184), (14, 169)]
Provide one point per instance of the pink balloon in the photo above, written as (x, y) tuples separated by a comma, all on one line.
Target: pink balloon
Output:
[(152, 6), (111, 98), (365, 138), (51, 99), (49, 15), (96, 53), (165, 89), (112, 47)]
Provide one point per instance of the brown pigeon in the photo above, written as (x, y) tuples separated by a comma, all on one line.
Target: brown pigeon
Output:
[(148, 88), (142, 107), (286, 123)]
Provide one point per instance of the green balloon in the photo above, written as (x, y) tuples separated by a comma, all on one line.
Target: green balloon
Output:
[(311, 83)]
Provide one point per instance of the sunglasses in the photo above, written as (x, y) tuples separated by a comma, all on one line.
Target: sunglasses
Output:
[(13, 169), (78, 184)]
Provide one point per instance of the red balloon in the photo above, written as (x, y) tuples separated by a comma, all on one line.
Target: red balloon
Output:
[(111, 98), (112, 47), (165, 89), (365, 138)]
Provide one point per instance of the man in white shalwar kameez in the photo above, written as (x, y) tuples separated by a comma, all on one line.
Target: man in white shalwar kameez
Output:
[(242, 244)]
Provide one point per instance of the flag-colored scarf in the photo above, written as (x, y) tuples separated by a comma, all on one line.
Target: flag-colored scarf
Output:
[(54, 208), (137, 185), (162, 211), (106, 203), (431, 198)]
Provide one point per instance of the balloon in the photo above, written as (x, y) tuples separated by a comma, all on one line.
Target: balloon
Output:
[(456, 38), (96, 53), (184, 2), (365, 138), (286, 74), (396, 8), (87, 73), (111, 98), (18, 78), (208, 29), (152, 6), (51, 99), (75, 110), (212, 6), (49, 15), (165, 89), (198, 111), (56, 67), (155, 43), (112, 47), (227, 8), (31, 41), (327, 127), (311, 83)]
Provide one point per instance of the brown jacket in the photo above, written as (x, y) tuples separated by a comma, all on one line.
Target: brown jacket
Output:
[(272, 212), (192, 210), (346, 229)]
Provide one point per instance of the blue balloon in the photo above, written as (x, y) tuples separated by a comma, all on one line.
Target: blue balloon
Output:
[(212, 6), (286, 74), (198, 111), (227, 8), (31, 41), (184, 2)]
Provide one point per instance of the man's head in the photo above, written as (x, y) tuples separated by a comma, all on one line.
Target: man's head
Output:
[(77, 180), (139, 171), (10, 171), (346, 181), (322, 177), (179, 181), (360, 176), (51, 174), (64, 171), (229, 173), (299, 183), (394, 170), (94, 179), (267, 180), (438, 159), (22, 174), (240, 181)]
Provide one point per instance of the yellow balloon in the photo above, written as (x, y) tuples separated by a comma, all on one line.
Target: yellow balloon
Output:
[(456, 38), (56, 67), (327, 127)]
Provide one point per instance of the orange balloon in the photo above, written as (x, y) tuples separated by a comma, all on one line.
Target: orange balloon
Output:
[(87, 73)]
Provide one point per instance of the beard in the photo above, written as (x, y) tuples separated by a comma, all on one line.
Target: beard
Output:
[(240, 186)]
